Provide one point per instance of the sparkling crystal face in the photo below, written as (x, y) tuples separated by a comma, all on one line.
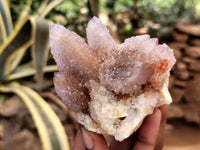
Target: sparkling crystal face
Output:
[(133, 68), (124, 68)]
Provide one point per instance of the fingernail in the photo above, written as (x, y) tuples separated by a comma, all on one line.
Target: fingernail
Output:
[(87, 139)]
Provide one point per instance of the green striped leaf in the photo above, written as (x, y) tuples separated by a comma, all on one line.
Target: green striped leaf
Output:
[(24, 13), (28, 70), (33, 31), (49, 7), (15, 57), (5, 13), (18, 38), (41, 8), (40, 48), (49, 127), (3, 35)]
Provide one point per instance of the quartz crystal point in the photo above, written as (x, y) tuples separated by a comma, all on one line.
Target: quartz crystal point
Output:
[(111, 87)]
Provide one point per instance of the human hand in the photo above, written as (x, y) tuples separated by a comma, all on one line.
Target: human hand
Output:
[(150, 136)]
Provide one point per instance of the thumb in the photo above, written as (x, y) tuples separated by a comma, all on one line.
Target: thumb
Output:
[(148, 132), (93, 140)]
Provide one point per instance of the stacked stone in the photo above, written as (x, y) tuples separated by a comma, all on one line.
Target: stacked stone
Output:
[(185, 77)]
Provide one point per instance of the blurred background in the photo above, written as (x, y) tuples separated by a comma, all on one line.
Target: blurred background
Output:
[(26, 66)]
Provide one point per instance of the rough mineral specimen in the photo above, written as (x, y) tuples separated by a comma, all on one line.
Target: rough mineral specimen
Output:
[(111, 87)]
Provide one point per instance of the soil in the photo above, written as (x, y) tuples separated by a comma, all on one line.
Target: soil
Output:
[(182, 136)]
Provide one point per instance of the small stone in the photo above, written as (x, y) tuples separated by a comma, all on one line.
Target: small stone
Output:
[(192, 91), (189, 29), (180, 83), (180, 37), (195, 66), (177, 53), (1, 131), (183, 75), (192, 112), (59, 112), (177, 45), (181, 66), (11, 107), (177, 94), (23, 140), (174, 111), (12, 125), (188, 60), (169, 128), (171, 82), (193, 51), (195, 42)]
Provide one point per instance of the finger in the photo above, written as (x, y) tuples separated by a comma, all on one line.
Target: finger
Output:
[(148, 132), (124, 145), (161, 135), (93, 140), (79, 143)]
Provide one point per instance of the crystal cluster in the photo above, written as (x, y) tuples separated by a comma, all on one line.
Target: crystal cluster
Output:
[(110, 86)]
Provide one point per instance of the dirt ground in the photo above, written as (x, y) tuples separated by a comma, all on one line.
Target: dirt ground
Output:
[(182, 137)]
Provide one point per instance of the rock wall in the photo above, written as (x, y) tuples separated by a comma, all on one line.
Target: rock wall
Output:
[(184, 82)]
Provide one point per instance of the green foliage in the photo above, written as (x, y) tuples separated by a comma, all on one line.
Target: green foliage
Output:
[(157, 15), (128, 15), (72, 14), (30, 33)]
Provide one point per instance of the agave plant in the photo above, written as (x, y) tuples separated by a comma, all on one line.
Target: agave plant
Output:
[(30, 32)]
